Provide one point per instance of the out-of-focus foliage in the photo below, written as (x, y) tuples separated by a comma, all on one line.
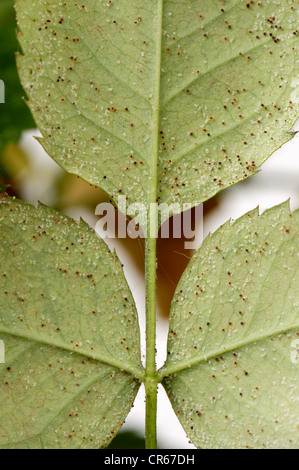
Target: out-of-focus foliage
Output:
[(127, 440), (14, 114)]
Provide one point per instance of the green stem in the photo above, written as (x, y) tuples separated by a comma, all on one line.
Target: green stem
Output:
[(151, 413), (150, 370), (151, 247)]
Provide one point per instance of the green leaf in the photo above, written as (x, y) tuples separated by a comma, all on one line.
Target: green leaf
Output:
[(14, 114), (179, 96), (235, 315), (70, 329), (3, 187), (128, 440)]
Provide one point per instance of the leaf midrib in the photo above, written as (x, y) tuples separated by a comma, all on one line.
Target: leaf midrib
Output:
[(121, 365), (154, 156), (188, 363)]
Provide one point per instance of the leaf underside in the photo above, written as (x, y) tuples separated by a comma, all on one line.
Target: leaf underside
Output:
[(227, 90), (70, 329), (234, 317)]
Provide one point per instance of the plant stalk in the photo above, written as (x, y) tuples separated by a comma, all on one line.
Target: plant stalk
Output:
[(151, 246), (151, 414), (150, 370)]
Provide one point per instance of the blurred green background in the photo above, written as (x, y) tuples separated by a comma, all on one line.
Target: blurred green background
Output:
[(14, 114)]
